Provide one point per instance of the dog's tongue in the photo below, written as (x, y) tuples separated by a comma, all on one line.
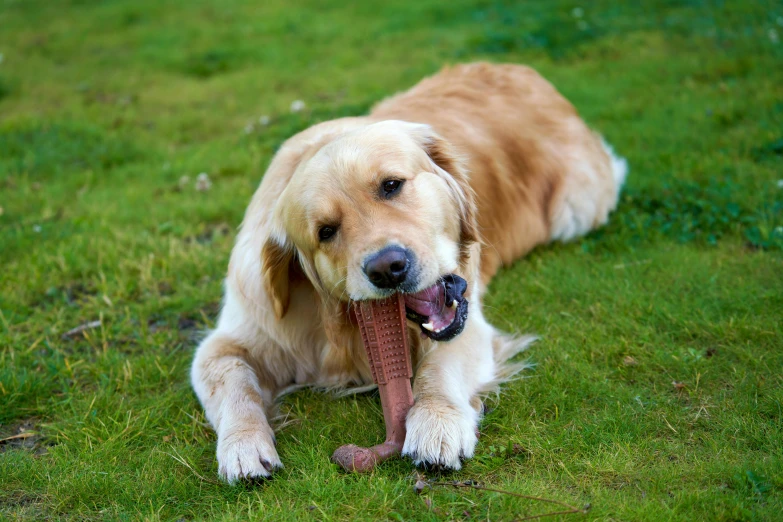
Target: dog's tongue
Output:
[(431, 303)]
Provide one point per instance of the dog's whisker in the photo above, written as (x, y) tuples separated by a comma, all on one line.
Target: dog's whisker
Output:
[(331, 292)]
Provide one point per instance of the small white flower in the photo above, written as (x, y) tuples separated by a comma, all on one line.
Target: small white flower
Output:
[(582, 25), (297, 105), (203, 183), (577, 12), (249, 128), (780, 183), (183, 181), (37, 229), (773, 35), (264, 120)]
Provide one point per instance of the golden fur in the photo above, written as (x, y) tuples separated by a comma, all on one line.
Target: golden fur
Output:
[(494, 162)]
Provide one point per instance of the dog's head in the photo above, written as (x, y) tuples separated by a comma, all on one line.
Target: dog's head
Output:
[(382, 209)]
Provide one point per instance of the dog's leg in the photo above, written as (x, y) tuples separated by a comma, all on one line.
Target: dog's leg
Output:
[(236, 396), (441, 426)]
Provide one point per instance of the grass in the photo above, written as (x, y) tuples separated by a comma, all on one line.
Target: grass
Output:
[(657, 388)]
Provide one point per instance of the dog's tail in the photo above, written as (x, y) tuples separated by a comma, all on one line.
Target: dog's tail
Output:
[(506, 347), (619, 165)]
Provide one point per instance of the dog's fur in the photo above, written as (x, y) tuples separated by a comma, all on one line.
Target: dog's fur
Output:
[(494, 161)]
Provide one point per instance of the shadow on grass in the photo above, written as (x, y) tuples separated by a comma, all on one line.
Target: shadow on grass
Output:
[(687, 211)]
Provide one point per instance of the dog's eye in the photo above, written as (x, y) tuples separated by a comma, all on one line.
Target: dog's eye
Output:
[(390, 187), (326, 232)]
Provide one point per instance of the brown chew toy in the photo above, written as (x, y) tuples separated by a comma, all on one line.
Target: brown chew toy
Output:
[(385, 338)]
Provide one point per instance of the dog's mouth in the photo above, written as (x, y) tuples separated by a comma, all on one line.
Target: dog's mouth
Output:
[(441, 309)]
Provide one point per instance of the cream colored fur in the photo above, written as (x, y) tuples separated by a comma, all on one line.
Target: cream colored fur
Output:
[(494, 162)]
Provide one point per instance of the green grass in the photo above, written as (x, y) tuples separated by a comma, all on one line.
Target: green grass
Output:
[(656, 393)]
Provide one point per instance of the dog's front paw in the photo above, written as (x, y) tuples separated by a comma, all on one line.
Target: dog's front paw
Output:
[(439, 434), (247, 454)]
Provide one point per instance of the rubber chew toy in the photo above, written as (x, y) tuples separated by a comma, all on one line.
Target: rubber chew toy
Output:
[(385, 337)]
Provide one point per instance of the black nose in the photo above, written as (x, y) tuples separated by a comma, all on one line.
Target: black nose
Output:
[(388, 268)]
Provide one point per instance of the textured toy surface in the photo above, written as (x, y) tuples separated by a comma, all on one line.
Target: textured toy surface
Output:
[(385, 337)]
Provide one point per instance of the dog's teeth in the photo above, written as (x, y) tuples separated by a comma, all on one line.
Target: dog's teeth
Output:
[(428, 326), (454, 304)]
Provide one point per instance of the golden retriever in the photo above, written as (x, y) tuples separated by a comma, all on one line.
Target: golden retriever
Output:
[(437, 186)]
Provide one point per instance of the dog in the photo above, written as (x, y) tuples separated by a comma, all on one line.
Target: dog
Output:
[(449, 181)]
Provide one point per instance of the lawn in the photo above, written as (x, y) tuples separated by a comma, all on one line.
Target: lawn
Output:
[(657, 390)]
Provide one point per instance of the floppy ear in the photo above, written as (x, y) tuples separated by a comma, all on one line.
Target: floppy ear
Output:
[(276, 260), (264, 259), (450, 167)]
